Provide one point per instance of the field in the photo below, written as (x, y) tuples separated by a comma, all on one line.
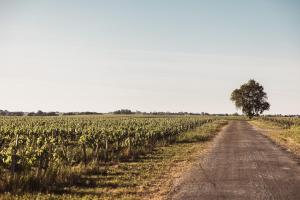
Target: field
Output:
[(283, 130), (95, 156), (112, 156)]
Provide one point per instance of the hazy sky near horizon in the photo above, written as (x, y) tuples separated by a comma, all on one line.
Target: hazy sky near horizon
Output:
[(155, 55)]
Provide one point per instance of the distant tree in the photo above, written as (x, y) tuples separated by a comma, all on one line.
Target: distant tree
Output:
[(123, 112), (251, 98), (235, 114), (8, 113), (40, 113), (31, 114)]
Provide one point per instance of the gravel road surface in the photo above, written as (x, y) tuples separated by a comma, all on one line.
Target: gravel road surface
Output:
[(241, 164)]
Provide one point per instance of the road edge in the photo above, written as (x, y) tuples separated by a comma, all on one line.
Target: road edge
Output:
[(199, 156), (269, 133)]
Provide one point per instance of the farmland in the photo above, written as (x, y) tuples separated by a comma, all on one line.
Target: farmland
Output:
[(111, 156), (54, 154)]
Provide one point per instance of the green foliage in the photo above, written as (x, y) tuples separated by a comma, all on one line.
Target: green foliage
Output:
[(43, 147), (132, 179), (201, 134), (251, 98), (284, 122)]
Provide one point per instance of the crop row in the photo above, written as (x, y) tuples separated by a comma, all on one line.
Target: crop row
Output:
[(285, 122), (43, 143)]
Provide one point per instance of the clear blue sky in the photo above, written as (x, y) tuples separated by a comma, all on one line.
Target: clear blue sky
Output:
[(154, 55)]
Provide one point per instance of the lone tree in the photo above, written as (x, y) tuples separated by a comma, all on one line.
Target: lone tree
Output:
[(251, 98)]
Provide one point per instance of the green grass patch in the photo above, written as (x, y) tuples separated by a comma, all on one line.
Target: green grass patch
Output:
[(203, 133)]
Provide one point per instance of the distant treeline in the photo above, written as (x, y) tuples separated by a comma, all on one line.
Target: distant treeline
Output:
[(41, 113), (121, 112), (82, 113), (280, 115), (129, 112), (7, 113), (117, 112)]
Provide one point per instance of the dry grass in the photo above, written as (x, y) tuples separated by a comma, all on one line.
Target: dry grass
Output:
[(288, 138)]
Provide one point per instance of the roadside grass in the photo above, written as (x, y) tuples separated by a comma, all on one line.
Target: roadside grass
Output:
[(288, 138), (203, 133), (149, 176)]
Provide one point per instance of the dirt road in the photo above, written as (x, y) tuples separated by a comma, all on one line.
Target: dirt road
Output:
[(242, 164)]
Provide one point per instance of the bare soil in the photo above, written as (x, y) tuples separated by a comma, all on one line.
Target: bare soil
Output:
[(241, 164)]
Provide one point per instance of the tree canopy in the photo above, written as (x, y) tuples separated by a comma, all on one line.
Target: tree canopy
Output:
[(251, 98)]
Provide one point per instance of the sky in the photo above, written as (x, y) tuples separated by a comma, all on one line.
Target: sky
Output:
[(158, 55)]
